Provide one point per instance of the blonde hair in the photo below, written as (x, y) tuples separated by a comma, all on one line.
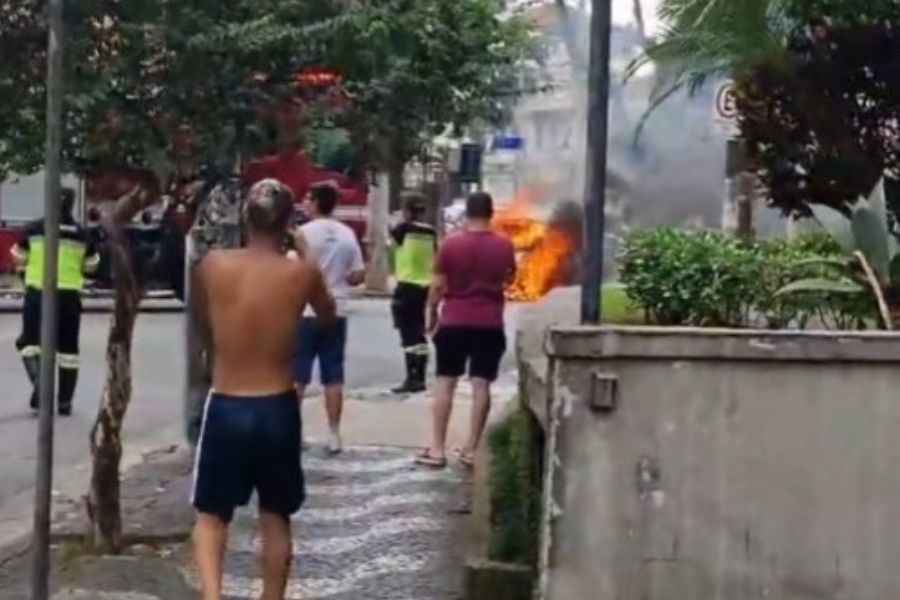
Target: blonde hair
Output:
[(268, 208)]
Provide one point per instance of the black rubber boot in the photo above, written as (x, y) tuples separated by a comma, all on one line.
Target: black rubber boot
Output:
[(418, 372), (68, 379), (33, 369), (404, 388)]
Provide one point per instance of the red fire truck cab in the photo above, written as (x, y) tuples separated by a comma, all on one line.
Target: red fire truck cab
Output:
[(295, 170)]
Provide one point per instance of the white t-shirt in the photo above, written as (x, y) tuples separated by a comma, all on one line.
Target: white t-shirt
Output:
[(334, 247)]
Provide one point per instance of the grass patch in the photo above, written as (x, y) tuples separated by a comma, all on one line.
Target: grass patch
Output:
[(516, 449), (617, 308)]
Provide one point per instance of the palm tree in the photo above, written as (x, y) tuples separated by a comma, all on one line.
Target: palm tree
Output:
[(637, 8), (707, 39), (711, 39)]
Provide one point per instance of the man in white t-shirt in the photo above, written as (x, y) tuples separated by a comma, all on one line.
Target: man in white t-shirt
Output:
[(334, 248)]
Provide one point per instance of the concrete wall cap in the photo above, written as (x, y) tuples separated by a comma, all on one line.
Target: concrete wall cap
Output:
[(685, 343)]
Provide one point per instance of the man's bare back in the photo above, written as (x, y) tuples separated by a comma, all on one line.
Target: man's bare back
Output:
[(246, 305), (253, 299)]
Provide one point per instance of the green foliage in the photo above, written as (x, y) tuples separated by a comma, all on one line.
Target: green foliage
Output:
[(515, 489), (680, 277), (415, 67), (821, 125), (140, 73), (808, 259), (704, 39), (866, 241), (706, 279), (617, 307), (817, 90)]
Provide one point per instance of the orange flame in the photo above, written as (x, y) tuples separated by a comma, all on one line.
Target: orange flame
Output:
[(543, 251)]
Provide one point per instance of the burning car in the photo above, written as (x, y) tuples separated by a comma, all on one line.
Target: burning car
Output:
[(548, 241)]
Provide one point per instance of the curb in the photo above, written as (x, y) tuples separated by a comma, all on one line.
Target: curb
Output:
[(91, 306), (160, 469), (15, 549), (177, 536)]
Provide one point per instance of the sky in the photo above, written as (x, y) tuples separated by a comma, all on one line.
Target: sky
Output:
[(623, 13), (623, 10)]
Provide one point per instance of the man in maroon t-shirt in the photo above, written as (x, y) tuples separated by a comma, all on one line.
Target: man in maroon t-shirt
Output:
[(471, 272)]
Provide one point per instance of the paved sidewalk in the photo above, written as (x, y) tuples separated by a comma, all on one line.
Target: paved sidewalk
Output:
[(374, 526)]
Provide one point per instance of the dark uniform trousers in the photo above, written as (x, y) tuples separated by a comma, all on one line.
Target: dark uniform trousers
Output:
[(67, 339)]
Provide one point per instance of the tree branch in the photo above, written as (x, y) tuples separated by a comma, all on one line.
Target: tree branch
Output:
[(876, 289)]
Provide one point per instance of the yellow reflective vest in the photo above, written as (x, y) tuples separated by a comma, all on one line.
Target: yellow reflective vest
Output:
[(74, 252), (414, 257)]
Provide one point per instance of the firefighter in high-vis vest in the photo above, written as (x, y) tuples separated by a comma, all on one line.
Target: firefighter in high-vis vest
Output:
[(415, 244), (77, 257)]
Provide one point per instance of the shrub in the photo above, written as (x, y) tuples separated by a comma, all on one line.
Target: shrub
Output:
[(706, 279), (680, 277)]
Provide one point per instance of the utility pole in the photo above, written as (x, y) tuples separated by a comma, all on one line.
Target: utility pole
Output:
[(598, 136), (740, 183), (378, 273), (40, 575)]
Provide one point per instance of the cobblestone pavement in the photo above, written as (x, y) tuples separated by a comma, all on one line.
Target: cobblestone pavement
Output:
[(374, 526)]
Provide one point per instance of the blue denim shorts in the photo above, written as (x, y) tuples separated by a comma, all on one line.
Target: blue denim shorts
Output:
[(325, 342)]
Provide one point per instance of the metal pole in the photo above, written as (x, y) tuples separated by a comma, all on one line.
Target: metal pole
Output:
[(46, 383), (598, 135)]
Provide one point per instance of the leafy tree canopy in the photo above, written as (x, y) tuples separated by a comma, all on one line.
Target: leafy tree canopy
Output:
[(150, 84), (823, 127), (413, 67), (818, 91)]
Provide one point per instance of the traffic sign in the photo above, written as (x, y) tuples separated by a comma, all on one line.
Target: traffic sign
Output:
[(508, 142), (726, 108)]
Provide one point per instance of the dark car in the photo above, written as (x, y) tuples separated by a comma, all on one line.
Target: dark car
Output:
[(157, 255)]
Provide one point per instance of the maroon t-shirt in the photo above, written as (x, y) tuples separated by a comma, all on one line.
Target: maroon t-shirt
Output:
[(477, 265)]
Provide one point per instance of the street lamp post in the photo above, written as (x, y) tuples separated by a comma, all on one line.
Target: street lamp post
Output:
[(46, 382), (598, 136)]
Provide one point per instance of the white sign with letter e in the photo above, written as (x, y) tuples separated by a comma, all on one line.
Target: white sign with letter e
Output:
[(726, 110)]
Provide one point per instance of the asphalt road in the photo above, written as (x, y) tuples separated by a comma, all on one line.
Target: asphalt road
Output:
[(156, 413), (155, 417)]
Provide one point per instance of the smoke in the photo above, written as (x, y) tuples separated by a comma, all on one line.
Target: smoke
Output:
[(673, 174)]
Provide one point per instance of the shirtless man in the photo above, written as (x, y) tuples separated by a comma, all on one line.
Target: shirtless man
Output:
[(248, 302)]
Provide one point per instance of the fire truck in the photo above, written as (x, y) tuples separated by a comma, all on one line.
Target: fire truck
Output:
[(157, 238), (158, 244), (294, 169)]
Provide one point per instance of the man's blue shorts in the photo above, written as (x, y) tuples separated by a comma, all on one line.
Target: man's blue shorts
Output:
[(249, 444), (322, 341)]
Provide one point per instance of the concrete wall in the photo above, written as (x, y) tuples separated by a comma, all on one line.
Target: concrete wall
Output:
[(731, 465)]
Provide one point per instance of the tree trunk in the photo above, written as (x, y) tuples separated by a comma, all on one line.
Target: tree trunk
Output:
[(639, 20), (741, 192), (395, 185), (378, 273), (104, 506), (745, 206)]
